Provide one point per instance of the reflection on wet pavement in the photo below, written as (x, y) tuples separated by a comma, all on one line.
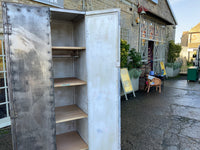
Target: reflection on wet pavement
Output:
[(166, 121)]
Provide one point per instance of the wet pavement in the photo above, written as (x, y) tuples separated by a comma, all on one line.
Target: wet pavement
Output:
[(166, 121), (153, 121), (5, 139)]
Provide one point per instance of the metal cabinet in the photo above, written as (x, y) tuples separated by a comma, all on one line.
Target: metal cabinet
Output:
[(63, 77)]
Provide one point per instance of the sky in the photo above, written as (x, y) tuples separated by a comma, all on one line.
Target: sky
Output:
[(187, 14)]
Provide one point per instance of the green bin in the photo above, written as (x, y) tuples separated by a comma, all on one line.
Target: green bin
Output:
[(192, 74)]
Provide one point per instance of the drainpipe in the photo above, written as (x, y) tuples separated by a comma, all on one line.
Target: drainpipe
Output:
[(83, 7)]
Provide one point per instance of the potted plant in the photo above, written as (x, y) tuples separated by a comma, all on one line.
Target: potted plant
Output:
[(173, 65), (131, 60), (124, 48), (134, 65)]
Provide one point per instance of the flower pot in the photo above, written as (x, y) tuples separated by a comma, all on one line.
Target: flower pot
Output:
[(135, 83), (171, 72)]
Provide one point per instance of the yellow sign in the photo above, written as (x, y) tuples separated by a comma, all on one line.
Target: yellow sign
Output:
[(126, 82), (163, 68)]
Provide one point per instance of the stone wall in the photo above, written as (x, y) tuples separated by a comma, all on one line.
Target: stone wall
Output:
[(184, 38), (161, 9), (184, 53), (129, 13)]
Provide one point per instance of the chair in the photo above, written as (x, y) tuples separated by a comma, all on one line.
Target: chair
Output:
[(153, 81)]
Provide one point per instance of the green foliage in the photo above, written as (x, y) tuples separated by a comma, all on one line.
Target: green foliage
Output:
[(135, 73), (124, 48), (174, 52), (189, 64), (175, 65), (134, 59)]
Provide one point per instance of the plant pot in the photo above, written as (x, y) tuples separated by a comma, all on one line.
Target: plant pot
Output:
[(135, 83), (171, 72)]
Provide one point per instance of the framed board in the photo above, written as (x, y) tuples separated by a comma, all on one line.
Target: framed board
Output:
[(126, 82)]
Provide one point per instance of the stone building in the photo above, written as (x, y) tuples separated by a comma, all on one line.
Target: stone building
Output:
[(190, 41), (147, 25), (144, 23)]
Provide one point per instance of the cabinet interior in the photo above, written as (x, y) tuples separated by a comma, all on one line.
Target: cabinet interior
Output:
[(70, 79)]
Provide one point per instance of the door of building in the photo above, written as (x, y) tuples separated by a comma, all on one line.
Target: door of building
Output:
[(150, 55)]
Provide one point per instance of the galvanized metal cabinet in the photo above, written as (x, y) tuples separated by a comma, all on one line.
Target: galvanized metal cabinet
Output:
[(63, 77)]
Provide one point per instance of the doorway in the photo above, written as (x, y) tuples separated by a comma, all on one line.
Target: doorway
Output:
[(150, 55)]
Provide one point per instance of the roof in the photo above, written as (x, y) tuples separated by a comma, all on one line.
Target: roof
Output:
[(160, 11), (195, 28), (185, 32), (172, 13)]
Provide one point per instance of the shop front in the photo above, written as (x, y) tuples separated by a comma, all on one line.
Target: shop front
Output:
[(152, 44)]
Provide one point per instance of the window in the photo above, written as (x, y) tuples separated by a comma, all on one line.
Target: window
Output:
[(58, 3), (4, 101)]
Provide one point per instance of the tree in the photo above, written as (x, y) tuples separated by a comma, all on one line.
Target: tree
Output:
[(174, 52)]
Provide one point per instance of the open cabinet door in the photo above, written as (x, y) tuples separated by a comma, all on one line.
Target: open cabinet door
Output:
[(103, 62), (29, 66)]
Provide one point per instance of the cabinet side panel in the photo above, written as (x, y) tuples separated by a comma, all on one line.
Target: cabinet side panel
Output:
[(64, 96), (102, 44), (79, 33), (81, 95), (30, 77), (62, 33), (65, 127), (63, 67)]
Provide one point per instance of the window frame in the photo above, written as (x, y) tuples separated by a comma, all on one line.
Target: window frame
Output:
[(6, 120)]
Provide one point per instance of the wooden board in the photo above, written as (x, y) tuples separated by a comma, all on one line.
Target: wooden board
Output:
[(69, 113), (67, 48), (61, 82), (70, 141)]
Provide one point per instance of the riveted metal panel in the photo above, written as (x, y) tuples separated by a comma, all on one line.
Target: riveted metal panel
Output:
[(29, 66), (103, 59)]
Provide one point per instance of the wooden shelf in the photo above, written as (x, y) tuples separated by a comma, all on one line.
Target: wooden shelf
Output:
[(61, 82), (67, 48), (64, 56), (69, 113), (70, 141)]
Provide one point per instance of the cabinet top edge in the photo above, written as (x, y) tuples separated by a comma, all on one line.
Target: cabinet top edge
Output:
[(67, 11), (104, 11)]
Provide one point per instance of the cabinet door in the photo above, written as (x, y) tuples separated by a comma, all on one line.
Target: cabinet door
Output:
[(102, 51), (29, 66)]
